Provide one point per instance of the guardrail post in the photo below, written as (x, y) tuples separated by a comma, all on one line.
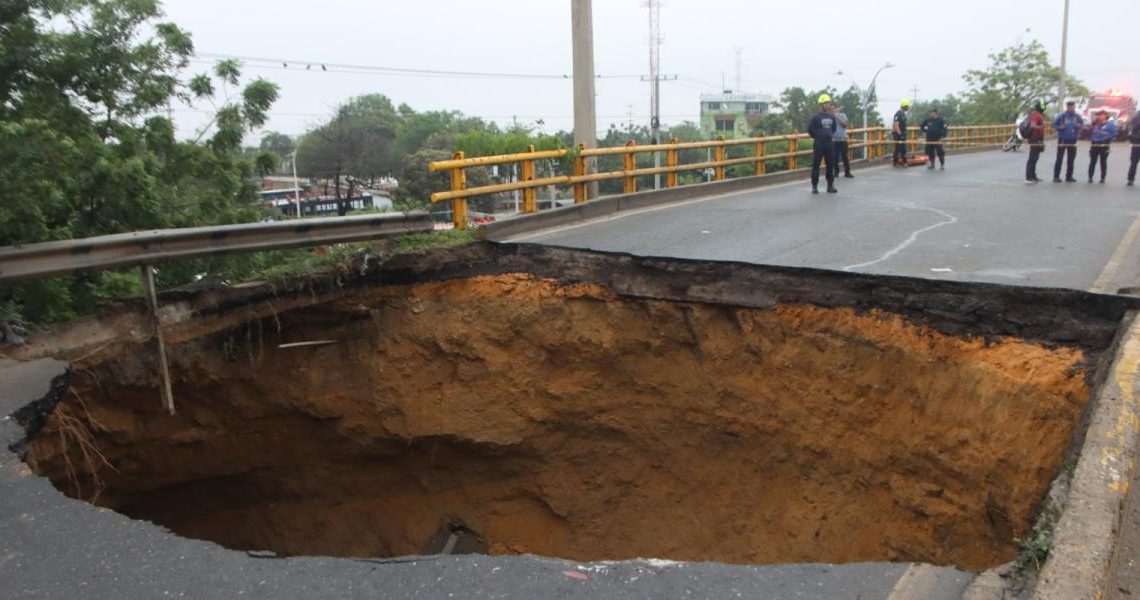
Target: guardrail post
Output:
[(629, 185), (526, 169), (793, 147), (163, 363), (459, 183), (671, 160), (761, 166), (718, 155), (580, 190)]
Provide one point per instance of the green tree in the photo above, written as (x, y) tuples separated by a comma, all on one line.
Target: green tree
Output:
[(280, 144), (1015, 78), (84, 150)]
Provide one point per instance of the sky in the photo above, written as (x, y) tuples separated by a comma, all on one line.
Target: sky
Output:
[(781, 44)]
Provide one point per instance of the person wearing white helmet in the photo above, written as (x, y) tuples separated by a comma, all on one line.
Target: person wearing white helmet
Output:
[(822, 128), (898, 132)]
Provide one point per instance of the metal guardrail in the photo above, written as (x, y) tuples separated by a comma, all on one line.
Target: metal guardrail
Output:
[(874, 139), (152, 247), (147, 248)]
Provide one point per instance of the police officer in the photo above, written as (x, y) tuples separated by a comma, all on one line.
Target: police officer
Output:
[(1103, 132), (822, 129), (1134, 137), (1068, 125), (935, 129), (898, 132)]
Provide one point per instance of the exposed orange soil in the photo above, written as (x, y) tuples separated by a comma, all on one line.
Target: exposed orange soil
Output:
[(560, 420)]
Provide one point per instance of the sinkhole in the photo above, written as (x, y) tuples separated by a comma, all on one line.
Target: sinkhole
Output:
[(593, 407)]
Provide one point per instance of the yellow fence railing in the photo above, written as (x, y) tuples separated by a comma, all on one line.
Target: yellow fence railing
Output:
[(876, 141)]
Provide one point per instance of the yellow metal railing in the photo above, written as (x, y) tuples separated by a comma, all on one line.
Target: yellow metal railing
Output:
[(877, 141)]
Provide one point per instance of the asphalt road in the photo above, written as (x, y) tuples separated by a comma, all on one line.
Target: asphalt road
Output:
[(976, 221)]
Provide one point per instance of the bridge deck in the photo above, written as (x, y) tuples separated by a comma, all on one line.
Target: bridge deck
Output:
[(977, 221)]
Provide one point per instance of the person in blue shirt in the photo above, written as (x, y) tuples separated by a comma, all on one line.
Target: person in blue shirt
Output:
[(1068, 125), (1103, 132), (1134, 137), (822, 128)]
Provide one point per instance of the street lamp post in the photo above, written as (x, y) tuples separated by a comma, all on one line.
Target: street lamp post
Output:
[(1064, 56), (866, 101), (296, 185)]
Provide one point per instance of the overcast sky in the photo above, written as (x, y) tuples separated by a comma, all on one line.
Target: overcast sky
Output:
[(782, 43)]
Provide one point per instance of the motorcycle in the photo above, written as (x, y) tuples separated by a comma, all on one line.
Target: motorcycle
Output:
[(1015, 140)]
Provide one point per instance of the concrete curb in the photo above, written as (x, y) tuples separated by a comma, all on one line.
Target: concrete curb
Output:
[(610, 205), (1085, 537)]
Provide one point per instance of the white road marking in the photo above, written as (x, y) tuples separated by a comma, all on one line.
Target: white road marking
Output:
[(1104, 283), (950, 220), (630, 213)]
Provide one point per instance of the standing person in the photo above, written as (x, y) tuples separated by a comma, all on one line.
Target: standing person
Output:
[(1103, 132), (1036, 139), (841, 124), (898, 132), (935, 129), (822, 128), (1134, 137), (1068, 125)]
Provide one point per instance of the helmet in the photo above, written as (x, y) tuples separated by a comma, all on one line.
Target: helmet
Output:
[(824, 98), (906, 102)]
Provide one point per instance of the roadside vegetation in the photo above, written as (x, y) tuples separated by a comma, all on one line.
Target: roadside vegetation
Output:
[(88, 146)]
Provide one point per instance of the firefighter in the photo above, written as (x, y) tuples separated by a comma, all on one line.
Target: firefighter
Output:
[(1134, 137), (1036, 140), (898, 132), (1103, 132), (1068, 125), (822, 128), (935, 129)]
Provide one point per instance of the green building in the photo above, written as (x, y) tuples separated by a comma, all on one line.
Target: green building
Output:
[(732, 115)]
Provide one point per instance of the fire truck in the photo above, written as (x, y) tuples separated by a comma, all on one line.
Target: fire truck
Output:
[(1118, 105)]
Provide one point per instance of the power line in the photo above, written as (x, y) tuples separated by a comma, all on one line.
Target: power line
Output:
[(324, 67)]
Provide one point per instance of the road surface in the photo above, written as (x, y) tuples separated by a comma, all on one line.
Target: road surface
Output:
[(976, 221)]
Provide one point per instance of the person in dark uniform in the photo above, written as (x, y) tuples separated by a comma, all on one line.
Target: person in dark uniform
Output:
[(935, 129), (1036, 141), (822, 128), (1102, 135), (1134, 137), (898, 132), (1068, 127)]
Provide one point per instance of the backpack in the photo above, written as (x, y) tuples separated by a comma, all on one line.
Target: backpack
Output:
[(1025, 127)]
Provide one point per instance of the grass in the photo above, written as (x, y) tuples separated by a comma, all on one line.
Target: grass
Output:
[(298, 263)]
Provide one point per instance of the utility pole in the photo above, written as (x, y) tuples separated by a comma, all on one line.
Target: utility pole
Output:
[(585, 112), (914, 97), (1064, 56), (655, 84)]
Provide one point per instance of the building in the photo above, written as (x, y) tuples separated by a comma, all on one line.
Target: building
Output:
[(732, 115)]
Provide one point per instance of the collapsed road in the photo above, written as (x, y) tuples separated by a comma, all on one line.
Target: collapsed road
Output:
[(521, 401)]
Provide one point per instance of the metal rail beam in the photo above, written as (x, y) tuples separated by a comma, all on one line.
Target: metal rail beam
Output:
[(151, 247)]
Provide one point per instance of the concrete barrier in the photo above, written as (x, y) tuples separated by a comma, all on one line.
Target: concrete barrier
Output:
[(1080, 561)]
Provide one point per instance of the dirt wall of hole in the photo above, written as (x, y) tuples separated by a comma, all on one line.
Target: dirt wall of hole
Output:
[(560, 420)]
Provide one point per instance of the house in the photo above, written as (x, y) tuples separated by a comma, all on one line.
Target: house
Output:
[(732, 115)]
